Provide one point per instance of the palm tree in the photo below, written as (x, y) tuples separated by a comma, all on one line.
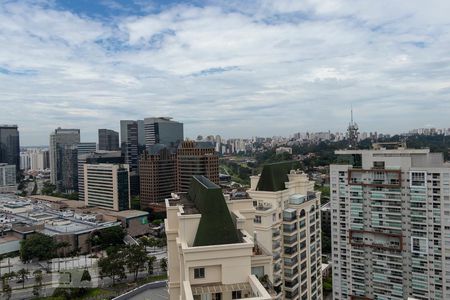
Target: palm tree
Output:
[(38, 282), (22, 275), (163, 264)]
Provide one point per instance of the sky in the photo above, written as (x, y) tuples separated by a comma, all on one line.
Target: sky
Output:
[(234, 68)]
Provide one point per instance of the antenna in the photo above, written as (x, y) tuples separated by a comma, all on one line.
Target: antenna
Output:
[(351, 113)]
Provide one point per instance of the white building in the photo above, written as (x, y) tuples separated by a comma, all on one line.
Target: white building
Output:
[(390, 210), (107, 186), (211, 251), (7, 178), (287, 221)]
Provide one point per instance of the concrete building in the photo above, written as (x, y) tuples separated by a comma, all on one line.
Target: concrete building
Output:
[(287, 222), (7, 178), (211, 250), (114, 157), (107, 186), (62, 142), (196, 158), (132, 145), (25, 161), (158, 174), (162, 131), (390, 224), (10, 146), (69, 167), (108, 140), (39, 159), (83, 150)]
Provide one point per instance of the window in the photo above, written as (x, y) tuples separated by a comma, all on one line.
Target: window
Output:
[(236, 295), (217, 296), (199, 273), (257, 219), (274, 219)]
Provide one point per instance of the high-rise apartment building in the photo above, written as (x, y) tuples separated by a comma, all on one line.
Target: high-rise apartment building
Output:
[(210, 246), (64, 142), (162, 131), (39, 159), (108, 140), (107, 186), (10, 145), (390, 210), (287, 222), (25, 161), (158, 175), (196, 158), (7, 178)]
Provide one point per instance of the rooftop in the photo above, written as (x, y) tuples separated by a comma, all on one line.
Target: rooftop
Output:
[(216, 226), (274, 176)]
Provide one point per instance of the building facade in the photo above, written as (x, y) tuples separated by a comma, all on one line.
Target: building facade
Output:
[(62, 141), (390, 224), (162, 131), (196, 158), (157, 173), (107, 186), (83, 150), (210, 245), (287, 221), (7, 178), (10, 146), (108, 140)]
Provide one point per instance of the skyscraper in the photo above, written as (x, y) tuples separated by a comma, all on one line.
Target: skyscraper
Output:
[(390, 224), (10, 145), (196, 158), (61, 142), (287, 223), (211, 250), (107, 186), (83, 149), (157, 173), (132, 145), (7, 178), (162, 131), (108, 140)]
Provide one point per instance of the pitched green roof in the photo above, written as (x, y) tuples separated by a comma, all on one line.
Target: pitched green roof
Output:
[(216, 226), (273, 176)]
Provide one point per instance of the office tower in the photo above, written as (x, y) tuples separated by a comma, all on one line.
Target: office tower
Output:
[(108, 157), (158, 174), (287, 222), (196, 158), (10, 146), (162, 131), (390, 224), (69, 166), (210, 246), (7, 178), (108, 140), (61, 142), (131, 140), (107, 186), (83, 150)]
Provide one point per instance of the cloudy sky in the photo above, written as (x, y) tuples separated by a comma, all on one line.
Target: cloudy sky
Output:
[(235, 68)]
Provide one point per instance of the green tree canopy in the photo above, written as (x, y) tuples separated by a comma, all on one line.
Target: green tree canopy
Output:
[(38, 246)]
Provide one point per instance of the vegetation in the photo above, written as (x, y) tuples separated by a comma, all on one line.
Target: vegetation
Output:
[(48, 188), (108, 237), (327, 287), (163, 264), (113, 265), (38, 246), (150, 262), (135, 259), (22, 275), (38, 282)]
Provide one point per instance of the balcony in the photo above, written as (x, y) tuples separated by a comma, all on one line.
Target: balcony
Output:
[(289, 215)]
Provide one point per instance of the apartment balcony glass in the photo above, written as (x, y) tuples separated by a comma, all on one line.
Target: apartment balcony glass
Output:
[(289, 215), (289, 227)]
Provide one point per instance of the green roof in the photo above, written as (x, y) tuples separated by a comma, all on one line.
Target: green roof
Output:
[(216, 226), (273, 176)]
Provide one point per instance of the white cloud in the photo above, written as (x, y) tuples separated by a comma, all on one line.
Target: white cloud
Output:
[(234, 68)]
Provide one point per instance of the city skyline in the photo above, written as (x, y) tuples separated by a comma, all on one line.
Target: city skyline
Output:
[(223, 65)]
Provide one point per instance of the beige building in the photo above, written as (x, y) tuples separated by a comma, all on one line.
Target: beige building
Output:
[(287, 222), (107, 186), (211, 248)]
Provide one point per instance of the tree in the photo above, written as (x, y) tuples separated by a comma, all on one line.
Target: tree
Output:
[(22, 274), (35, 188), (150, 261), (48, 188), (38, 282), (38, 246), (7, 290), (108, 237), (112, 266), (163, 264), (135, 259)]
